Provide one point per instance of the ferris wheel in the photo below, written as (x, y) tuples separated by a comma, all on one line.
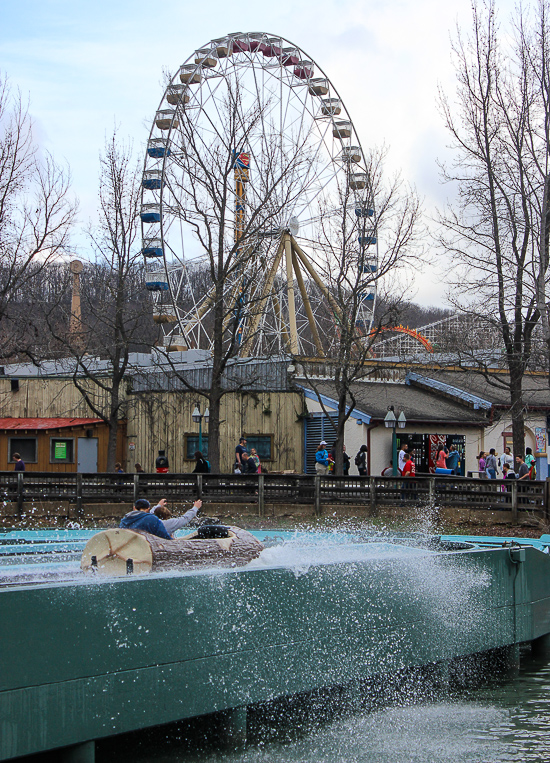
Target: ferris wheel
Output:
[(253, 166)]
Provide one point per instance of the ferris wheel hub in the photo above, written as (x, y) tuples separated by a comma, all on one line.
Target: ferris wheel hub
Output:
[(293, 226)]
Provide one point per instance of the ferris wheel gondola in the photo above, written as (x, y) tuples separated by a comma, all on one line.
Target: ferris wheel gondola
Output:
[(299, 128)]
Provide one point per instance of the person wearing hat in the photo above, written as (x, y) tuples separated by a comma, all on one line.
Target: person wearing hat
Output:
[(321, 458), (141, 520)]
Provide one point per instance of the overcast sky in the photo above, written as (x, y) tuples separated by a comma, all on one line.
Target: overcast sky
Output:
[(90, 65)]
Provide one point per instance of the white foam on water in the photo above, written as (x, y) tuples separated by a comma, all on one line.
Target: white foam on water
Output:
[(445, 732), (438, 733), (300, 554)]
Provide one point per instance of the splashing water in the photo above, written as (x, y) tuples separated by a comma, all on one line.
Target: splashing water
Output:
[(477, 730), (500, 722), (304, 550)]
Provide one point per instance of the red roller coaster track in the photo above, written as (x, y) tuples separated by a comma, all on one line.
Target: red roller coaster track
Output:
[(405, 330)]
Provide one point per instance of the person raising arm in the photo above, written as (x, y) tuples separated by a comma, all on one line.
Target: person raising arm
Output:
[(141, 520), (171, 523)]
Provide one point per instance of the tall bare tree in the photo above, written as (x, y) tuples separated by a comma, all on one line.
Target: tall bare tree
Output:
[(116, 314), (496, 232), (365, 247), (228, 218), (36, 215)]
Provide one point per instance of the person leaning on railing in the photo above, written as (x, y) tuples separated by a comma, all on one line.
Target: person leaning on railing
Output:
[(255, 457), (321, 458), (491, 465), (202, 466), (508, 472), (19, 463), (388, 471), (481, 465), (361, 461), (248, 465), (523, 469)]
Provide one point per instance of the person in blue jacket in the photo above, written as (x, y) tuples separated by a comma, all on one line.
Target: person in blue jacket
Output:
[(140, 519), (321, 458), (453, 458)]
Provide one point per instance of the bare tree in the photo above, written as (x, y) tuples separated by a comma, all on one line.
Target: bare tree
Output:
[(389, 221), (238, 228), (116, 313), (496, 232), (36, 214)]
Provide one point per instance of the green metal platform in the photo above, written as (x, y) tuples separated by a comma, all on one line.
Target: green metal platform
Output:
[(86, 660)]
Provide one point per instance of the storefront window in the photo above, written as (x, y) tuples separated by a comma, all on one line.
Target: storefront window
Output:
[(262, 444), (27, 447), (192, 445)]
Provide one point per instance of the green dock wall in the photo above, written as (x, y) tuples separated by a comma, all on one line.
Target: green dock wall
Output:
[(80, 662)]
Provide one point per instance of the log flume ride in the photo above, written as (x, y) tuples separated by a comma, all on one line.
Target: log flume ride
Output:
[(121, 551)]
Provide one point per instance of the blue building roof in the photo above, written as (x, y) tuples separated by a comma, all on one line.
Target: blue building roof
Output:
[(449, 390)]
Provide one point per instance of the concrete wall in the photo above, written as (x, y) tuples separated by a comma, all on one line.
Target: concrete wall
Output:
[(47, 514), (89, 661)]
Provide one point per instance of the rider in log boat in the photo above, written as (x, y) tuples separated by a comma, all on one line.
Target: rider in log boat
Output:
[(141, 519), (171, 523)]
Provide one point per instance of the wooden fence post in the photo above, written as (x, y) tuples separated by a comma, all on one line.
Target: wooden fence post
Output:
[(79, 511), (20, 493), (261, 496), (317, 481), (372, 491), (514, 487), (199, 487), (136, 487)]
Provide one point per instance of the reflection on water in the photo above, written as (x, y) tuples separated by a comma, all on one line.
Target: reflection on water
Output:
[(504, 720)]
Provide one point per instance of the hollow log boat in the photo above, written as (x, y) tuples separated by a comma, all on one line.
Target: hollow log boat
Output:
[(121, 551)]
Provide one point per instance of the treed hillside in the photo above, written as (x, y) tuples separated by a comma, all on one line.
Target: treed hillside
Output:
[(41, 308), (411, 314)]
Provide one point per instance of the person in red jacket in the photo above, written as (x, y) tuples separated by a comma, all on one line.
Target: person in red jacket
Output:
[(409, 471), (409, 468)]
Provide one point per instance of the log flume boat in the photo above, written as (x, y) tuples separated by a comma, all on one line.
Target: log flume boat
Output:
[(121, 551)]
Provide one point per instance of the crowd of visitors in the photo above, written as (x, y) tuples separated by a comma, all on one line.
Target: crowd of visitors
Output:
[(447, 461), (488, 464), (245, 462)]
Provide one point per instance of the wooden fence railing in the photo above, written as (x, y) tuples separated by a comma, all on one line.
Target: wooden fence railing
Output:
[(509, 495)]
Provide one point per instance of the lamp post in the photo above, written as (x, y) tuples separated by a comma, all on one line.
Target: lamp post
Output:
[(391, 422), (197, 417)]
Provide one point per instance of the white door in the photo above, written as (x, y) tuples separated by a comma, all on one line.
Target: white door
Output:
[(87, 454)]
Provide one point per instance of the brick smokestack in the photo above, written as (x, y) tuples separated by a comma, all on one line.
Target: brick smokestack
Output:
[(75, 326)]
